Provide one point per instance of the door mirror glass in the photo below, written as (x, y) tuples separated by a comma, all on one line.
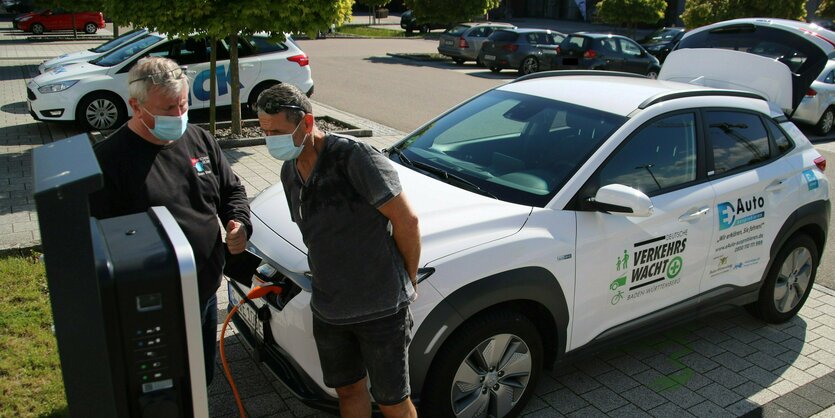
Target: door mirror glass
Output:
[(618, 199)]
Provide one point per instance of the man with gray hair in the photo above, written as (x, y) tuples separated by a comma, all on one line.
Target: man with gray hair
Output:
[(363, 244), (158, 159)]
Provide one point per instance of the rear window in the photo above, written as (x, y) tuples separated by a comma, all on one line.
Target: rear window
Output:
[(574, 42), (503, 36), (263, 45), (458, 30)]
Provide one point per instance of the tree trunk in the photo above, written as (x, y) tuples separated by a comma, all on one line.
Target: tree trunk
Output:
[(235, 84), (74, 30), (115, 30), (213, 86)]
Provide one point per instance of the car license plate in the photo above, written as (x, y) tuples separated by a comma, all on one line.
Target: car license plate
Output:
[(448, 42), (490, 57), (248, 314)]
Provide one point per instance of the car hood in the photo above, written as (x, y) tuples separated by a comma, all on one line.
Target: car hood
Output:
[(69, 72), (451, 220), (70, 58)]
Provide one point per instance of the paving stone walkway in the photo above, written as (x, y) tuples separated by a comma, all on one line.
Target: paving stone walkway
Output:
[(728, 364)]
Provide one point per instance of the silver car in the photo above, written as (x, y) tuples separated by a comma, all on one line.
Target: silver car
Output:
[(818, 106), (463, 42)]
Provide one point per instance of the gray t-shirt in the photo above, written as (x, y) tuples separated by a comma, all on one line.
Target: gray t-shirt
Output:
[(358, 272)]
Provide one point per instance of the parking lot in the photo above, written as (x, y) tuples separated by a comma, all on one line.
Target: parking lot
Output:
[(728, 364)]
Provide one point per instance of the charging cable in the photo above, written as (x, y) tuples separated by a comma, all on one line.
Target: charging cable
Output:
[(256, 293)]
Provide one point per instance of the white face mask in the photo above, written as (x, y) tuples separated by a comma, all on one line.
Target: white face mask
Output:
[(282, 147)]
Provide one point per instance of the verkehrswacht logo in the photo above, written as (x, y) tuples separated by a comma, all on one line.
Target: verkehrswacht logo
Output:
[(728, 212)]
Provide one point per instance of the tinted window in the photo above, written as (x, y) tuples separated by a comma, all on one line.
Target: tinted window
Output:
[(192, 51), (128, 37), (573, 42), (517, 147), (223, 50), (663, 35), (830, 78), (263, 45), (662, 155), (503, 36), (782, 142), (629, 48), (457, 30), (119, 55), (606, 45), (737, 139)]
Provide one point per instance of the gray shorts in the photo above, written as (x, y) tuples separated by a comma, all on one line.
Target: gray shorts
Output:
[(379, 346)]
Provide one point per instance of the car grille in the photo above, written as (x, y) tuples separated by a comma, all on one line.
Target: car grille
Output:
[(30, 94)]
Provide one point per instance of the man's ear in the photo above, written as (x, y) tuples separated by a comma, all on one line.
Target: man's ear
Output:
[(134, 105), (308, 121)]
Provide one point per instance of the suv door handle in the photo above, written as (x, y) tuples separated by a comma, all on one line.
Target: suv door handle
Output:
[(694, 215), (776, 185)]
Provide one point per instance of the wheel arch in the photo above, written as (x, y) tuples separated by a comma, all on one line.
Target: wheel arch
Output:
[(811, 219), (535, 293)]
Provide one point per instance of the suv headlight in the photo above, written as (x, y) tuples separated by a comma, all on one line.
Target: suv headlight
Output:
[(56, 87)]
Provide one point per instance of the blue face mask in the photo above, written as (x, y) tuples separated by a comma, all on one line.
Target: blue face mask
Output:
[(168, 128), (282, 147)]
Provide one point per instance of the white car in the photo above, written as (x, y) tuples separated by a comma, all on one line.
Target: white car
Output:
[(818, 105), (95, 94), (92, 53), (555, 220)]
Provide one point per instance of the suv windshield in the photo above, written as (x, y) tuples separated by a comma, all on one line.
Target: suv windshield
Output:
[(119, 55), (125, 38), (514, 147), (662, 35)]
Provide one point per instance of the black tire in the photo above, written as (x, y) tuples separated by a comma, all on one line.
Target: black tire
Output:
[(37, 29), (529, 65), (90, 28), (459, 61), (478, 62), (101, 111), (460, 356), (826, 121), (424, 28), (792, 274), (495, 69), (653, 73), (410, 32)]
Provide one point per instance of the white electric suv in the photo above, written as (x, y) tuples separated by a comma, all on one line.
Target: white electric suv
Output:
[(568, 210)]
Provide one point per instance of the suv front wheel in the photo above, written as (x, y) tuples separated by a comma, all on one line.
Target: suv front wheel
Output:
[(489, 367)]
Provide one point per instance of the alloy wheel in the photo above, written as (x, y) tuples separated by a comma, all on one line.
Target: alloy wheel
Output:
[(826, 121), (793, 279), (101, 114), (492, 378)]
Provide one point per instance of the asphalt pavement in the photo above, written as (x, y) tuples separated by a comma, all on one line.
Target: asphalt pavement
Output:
[(727, 364)]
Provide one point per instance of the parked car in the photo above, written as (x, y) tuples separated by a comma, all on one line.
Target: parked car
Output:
[(817, 108), (463, 41), (92, 53), (528, 50), (18, 6), (95, 94), (662, 41), (59, 19), (411, 23), (804, 48), (598, 51), (556, 220)]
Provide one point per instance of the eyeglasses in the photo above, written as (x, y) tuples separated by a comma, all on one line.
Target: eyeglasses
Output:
[(272, 108), (163, 76)]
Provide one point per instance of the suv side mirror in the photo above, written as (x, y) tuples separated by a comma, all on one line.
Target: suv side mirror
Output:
[(623, 200)]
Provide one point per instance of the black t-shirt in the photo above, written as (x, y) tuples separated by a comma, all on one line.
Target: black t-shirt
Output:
[(358, 271), (190, 177)]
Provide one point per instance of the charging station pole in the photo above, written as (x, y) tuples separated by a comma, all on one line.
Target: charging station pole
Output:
[(66, 172)]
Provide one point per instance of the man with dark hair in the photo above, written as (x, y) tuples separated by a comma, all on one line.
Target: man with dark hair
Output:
[(363, 246), (158, 159)]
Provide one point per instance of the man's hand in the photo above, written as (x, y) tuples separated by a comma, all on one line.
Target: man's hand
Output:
[(235, 237)]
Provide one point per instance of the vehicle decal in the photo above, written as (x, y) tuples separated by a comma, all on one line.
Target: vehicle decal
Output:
[(656, 264), (811, 180), (200, 88), (59, 70), (731, 216)]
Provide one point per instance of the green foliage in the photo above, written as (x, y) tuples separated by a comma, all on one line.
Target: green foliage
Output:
[(704, 12), (826, 9), (31, 383), (630, 12), (445, 11), (374, 3)]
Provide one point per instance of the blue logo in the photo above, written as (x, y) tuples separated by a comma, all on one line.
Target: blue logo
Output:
[(811, 180), (727, 215), (200, 87)]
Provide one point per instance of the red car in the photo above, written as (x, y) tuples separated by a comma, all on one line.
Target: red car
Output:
[(57, 19)]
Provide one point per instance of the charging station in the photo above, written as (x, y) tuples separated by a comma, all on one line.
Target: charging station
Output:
[(123, 293)]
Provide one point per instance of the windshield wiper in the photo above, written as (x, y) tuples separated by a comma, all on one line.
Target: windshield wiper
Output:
[(440, 173), (402, 156)]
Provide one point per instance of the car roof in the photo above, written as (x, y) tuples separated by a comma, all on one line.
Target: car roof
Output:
[(528, 30), (593, 88), (497, 24), (597, 35)]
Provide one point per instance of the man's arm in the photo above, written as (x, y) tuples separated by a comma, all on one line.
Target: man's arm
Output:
[(234, 205), (406, 232)]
